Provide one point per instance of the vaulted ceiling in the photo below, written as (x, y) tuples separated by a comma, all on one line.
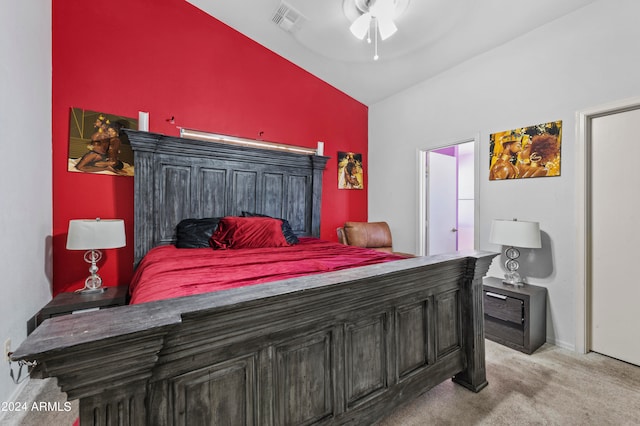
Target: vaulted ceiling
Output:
[(432, 36)]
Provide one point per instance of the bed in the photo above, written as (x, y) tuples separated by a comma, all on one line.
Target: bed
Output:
[(346, 346)]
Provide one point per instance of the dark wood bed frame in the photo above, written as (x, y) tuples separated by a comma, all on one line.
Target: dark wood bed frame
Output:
[(334, 348)]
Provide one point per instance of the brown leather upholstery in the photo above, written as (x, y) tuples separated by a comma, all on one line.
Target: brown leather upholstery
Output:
[(342, 239), (375, 235)]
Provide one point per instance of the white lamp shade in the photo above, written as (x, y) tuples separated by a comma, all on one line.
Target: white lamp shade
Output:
[(91, 234), (515, 233)]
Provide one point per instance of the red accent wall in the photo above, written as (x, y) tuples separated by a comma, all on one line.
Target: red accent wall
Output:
[(173, 60)]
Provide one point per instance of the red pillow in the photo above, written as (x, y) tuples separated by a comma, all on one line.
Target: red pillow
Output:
[(248, 232)]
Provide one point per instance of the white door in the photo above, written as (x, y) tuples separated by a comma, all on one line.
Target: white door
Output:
[(466, 196), (441, 203), (615, 233)]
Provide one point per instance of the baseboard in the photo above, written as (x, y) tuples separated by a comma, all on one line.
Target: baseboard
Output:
[(561, 344)]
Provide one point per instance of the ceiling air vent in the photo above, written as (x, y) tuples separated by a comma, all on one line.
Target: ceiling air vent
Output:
[(287, 18)]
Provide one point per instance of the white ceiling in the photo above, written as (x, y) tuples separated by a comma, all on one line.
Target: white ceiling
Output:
[(433, 36)]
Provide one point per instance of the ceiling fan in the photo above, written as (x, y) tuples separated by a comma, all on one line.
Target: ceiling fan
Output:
[(379, 11), (378, 14)]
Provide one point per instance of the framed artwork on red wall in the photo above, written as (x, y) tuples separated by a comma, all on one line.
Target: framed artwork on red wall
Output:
[(96, 144), (350, 171)]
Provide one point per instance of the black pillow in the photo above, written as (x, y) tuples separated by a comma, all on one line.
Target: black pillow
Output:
[(288, 233), (195, 233)]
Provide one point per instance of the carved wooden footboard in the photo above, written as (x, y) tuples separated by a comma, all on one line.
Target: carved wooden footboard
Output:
[(341, 347)]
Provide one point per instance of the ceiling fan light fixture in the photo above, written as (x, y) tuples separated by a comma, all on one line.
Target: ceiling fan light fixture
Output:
[(386, 27), (383, 8), (374, 18), (360, 26)]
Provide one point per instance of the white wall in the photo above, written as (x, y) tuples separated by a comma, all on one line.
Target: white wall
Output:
[(584, 59), (25, 185)]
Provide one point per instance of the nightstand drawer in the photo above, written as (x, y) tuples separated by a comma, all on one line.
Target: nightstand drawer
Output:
[(503, 307), (504, 332)]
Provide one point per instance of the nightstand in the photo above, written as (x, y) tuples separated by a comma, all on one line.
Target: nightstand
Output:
[(71, 303), (515, 316)]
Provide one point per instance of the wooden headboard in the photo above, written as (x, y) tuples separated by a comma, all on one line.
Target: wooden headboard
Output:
[(177, 178)]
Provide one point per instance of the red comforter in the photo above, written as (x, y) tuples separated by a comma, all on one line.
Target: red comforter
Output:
[(167, 272)]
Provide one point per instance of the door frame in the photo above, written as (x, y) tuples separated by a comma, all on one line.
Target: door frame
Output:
[(422, 191), (583, 284)]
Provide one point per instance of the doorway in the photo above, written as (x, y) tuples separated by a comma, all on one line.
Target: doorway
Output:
[(608, 233), (448, 197)]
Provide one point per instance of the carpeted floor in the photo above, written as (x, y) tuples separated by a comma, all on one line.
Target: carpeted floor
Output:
[(44, 405), (551, 387)]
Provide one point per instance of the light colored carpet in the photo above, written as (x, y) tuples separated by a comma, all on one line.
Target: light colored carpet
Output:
[(45, 405), (551, 387)]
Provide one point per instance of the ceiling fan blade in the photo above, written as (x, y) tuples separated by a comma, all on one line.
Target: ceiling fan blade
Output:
[(360, 26), (386, 26)]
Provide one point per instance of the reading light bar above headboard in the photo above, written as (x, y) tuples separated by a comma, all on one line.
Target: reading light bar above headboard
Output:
[(232, 140)]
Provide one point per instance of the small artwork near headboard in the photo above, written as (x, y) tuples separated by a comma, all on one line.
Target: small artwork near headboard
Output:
[(350, 172), (98, 145)]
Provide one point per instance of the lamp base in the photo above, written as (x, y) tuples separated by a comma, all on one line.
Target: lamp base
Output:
[(513, 278), (92, 290), (93, 283)]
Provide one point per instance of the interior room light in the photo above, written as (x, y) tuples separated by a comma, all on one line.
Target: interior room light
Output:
[(376, 16), (383, 11), (387, 28), (93, 235), (360, 26), (232, 140), (511, 234)]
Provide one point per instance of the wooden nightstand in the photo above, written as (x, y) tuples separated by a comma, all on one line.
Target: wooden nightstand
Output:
[(70, 303), (515, 316)]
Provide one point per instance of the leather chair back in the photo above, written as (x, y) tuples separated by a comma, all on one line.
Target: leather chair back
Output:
[(375, 235)]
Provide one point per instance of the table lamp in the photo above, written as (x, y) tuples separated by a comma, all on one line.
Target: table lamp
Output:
[(514, 233), (93, 235)]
